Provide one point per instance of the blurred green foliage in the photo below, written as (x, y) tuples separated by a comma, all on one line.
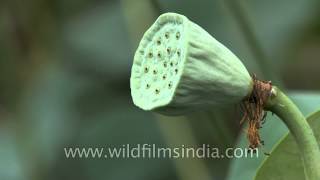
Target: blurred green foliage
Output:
[(64, 82), (273, 130), (285, 156)]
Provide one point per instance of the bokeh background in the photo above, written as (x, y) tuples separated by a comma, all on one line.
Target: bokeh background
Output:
[(64, 82)]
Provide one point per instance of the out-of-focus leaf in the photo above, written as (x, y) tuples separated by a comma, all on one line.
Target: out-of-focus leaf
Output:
[(177, 131), (285, 21), (111, 128), (272, 131), (137, 22), (98, 40), (284, 161), (10, 163)]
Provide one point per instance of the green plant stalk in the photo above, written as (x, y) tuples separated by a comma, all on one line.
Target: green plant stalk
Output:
[(283, 107)]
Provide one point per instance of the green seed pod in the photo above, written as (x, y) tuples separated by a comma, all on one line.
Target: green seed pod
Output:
[(199, 71)]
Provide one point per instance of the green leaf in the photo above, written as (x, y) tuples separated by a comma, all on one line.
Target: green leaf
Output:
[(284, 161), (273, 130)]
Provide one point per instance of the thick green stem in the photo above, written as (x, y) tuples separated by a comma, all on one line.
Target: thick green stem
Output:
[(282, 106)]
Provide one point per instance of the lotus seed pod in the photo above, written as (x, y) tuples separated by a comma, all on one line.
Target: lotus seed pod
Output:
[(179, 66)]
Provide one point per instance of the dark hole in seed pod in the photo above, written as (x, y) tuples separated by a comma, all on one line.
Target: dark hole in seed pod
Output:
[(176, 70), (178, 52), (166, 35), (157, 91), (159, 54), (168, 50), (154, 71), (146, 69), (170, 85), (158, 42), (171, 63), (147, 86), (164, 77), (150, 54), (178, 35), (164, 64)]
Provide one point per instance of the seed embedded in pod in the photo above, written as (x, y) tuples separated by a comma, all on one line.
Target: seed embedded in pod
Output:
[(178, 52), (157, 91), (168, 50), (165, 64), (164, 77), (159, 41), (150, 55), (178, 35), (146, 69), (166, 35)]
